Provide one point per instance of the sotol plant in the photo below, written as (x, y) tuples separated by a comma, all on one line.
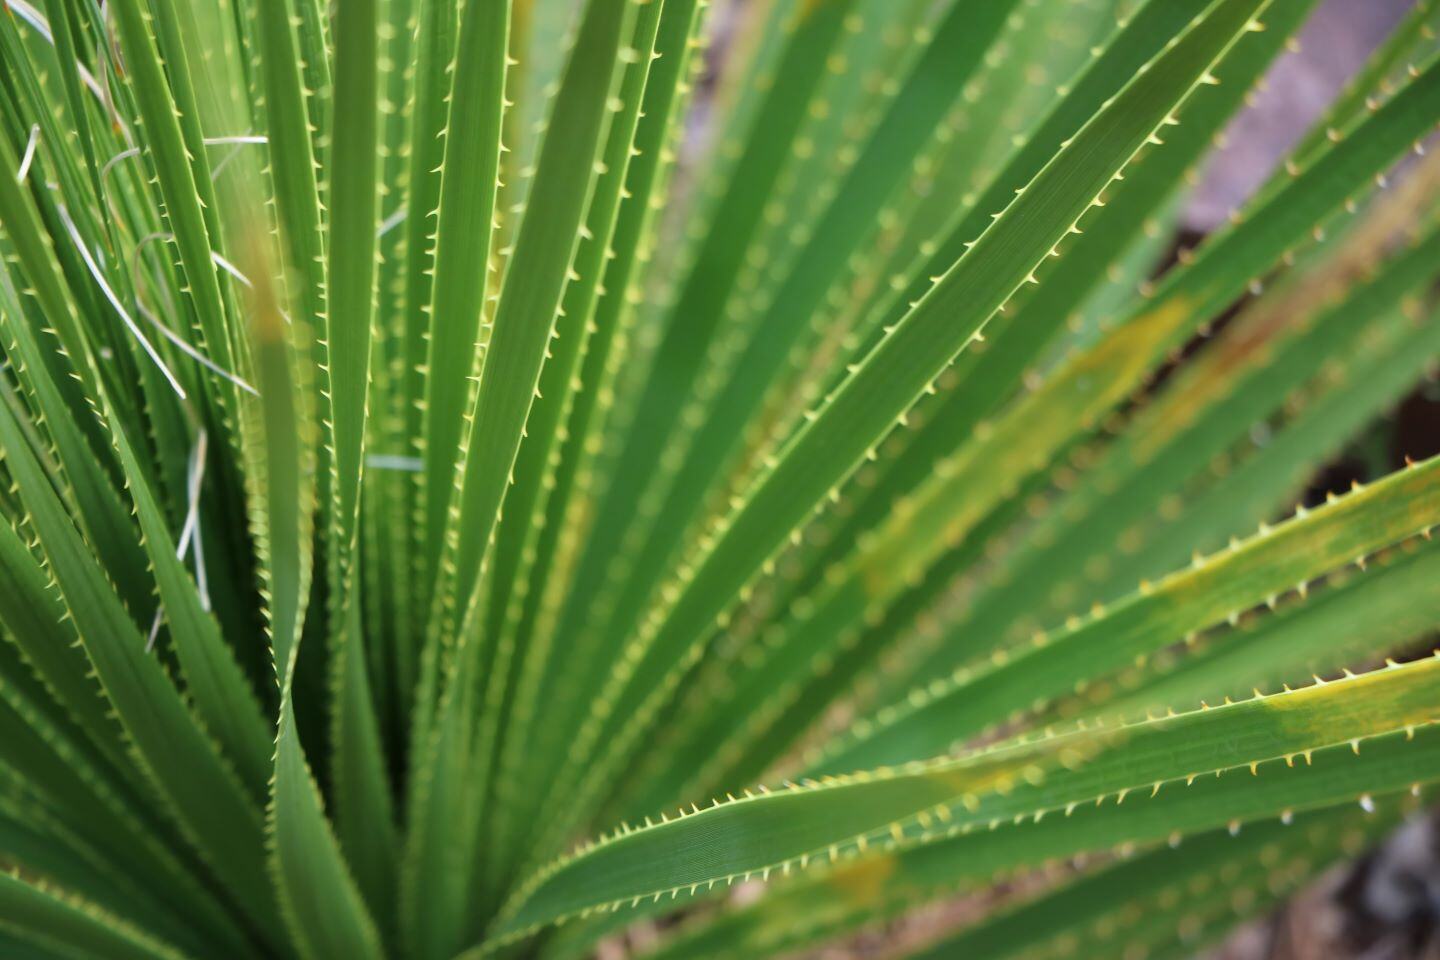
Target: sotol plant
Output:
[(855, 507)]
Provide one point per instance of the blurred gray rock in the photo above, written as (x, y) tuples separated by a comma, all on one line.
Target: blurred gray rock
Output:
[(1333, 46)]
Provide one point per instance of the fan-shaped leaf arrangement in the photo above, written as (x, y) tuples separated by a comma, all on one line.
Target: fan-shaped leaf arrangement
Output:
[(439, 522)]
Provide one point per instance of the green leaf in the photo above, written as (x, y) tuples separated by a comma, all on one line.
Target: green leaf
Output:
[(530, 297), (297, 195), (1170, 902), (1369, 612), (866, 889), (834, 636), (974, 479), (926, 93), (783, 830), (382, 509), (199, 790), (515, 572), (899, 370), (322, 907), (26, 234), (462, 252), (363, 812), (56, 921), (1250, 372), (810, 33), (544, 672), (167, 150), (1016, 340), (436, 30), (220, 693), (1211, 590), (73, 821)]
